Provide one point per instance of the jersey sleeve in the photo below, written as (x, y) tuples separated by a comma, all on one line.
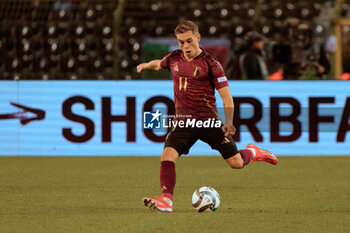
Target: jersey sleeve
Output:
[(218, 74), (166, 60), (164, 63)]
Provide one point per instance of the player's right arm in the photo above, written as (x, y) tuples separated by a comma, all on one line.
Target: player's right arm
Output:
[(152, 65)]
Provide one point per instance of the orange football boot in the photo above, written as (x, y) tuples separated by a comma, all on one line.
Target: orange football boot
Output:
[(158, 203), (262, 155)]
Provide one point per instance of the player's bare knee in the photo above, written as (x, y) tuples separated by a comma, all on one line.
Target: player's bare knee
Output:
[(236, 166), (169, 154), (235, 162)]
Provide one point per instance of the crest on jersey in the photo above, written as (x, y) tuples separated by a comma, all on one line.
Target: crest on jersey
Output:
[(196, 71), (176, 68)]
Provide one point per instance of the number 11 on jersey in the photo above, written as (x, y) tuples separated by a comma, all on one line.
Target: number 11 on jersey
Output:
[(184, 82)]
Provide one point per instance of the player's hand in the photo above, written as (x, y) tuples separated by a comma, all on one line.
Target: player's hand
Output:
[(228, 129), (141, 67)]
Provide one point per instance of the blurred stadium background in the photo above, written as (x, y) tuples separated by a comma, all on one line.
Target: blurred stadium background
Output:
[(105, 39), (45, 124)]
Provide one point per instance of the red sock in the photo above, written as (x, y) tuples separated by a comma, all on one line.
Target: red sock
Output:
[(167, 178), (247, 155)]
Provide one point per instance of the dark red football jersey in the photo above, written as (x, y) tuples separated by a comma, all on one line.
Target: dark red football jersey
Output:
[(194, 84)]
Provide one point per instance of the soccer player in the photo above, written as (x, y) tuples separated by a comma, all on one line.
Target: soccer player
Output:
[(196, 74)]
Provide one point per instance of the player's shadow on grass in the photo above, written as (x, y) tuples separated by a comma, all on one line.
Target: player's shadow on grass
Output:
[(222, 210)]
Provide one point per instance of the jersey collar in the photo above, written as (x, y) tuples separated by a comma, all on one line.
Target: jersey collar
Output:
[(199, 56)]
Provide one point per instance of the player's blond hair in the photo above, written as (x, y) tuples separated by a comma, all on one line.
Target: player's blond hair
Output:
[(187, 26)]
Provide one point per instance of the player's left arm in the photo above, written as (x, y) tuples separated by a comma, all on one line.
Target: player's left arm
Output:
[(227, 100), (221, 84)]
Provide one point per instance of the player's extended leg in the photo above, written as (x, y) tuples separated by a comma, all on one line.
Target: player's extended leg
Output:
[(252, 152), (228, 149), (167, 182)]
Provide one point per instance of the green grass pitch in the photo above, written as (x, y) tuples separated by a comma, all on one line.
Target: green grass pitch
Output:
[(103, 194)]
